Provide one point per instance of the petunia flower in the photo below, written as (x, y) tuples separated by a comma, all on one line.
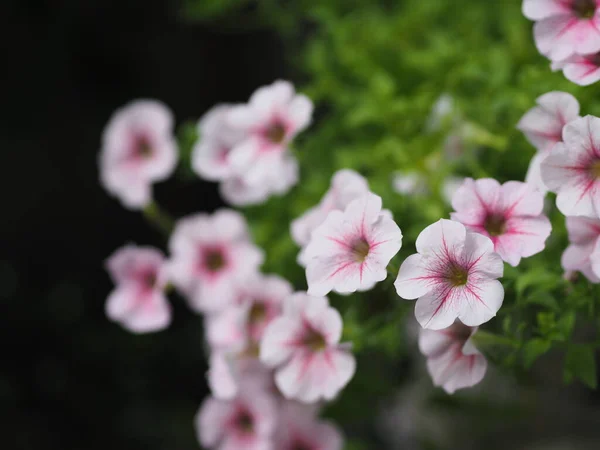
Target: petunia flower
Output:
[(580, 69), (303, 346), (240, 327), (228, 371), (564, 27), (138, 149), (572, 168), (210, 255), (346, 185), (300, 429), (210, 156), (453, 275), (237, 191), (271, 119), (452, 360), (509, 214), (584, 234), (138, 302), (351, 249), (246, 422)]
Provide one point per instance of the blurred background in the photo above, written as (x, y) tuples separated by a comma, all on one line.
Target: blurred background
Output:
[(69, 378)]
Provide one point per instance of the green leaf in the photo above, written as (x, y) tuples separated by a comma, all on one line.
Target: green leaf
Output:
[(580, 363), (533, 349)]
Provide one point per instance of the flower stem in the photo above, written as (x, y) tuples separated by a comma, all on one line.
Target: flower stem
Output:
[(159, 218)]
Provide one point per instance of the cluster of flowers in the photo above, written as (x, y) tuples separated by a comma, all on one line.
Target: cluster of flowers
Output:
[(568, 33), (568, 163)]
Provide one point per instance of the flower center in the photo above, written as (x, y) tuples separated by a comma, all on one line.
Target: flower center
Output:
[(360, 249), (594, 59), (244, 422), (595, 169), (457, 275), (149, 280), (276, 133), (299, 445), (495, 224), (257, 313), (314, 340), (584, 9), (214, 260), (143, 147)]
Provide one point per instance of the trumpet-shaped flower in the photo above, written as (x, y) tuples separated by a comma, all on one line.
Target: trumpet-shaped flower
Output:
[(346, 185), (240, 327), (452, 360), (584, 234), (138, 148), (453, 275), (210, 157), (580, 69), (543, 124), (138, 302), (300, 429), (564, 27), (210, 255), (272, 118), (572, 169), (509, 214), (237, 191), (351, 249), (303, 345), (246, 422)]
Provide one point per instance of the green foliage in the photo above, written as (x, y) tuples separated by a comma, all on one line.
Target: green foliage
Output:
[(375, 69)]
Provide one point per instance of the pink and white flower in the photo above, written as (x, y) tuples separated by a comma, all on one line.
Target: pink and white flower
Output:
[(351, 249), (240, 327), (246, 422), (300, 429), (229, 370), (584, 234), (543, 124), (303, 345), (452, 360), (238, 192), (138, 302), (580, 69), (272, 118), (509, 214), (572, 168), (138, 149), (210, 157), (564, 27), (346, 185), (453, 275), (210, 256)]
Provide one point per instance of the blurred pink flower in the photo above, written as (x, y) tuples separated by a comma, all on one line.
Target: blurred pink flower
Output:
[(350, 250), (580, 69), (583, 239), (564, 27), (452, 360), (346, 185), (246, 422), (138, 148), (236, 191), (240, 327), (138, 302), (229, 370), (210, 157), (271, 119), (572, 169), (303, 345), (543, 124), (509, 214), (210, 255), (300, 429), (454, 274)]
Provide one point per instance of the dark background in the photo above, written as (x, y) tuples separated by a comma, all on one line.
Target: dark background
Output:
[(69, 378)]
